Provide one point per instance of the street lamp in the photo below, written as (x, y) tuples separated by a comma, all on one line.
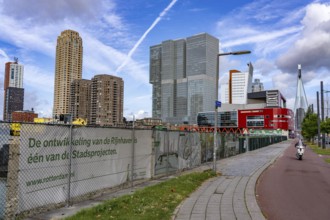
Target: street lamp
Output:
[(322, 116), (217, 103)]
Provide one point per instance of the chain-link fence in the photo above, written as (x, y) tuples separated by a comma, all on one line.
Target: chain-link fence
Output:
[(4, 158), (176, 151), (47, 166)]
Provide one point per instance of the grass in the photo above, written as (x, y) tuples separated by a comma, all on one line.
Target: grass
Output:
[(154, 202), (320, 151)]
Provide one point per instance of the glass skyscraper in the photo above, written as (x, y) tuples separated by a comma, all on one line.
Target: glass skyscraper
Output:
[(183, 75)]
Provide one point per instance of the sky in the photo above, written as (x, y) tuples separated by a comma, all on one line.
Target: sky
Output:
[(117, 36)]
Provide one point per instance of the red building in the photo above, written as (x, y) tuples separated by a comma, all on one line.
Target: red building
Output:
[(263, 118), (24, 116), (266, 118)]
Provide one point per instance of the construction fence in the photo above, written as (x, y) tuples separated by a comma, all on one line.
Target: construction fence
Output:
[(46, 166)]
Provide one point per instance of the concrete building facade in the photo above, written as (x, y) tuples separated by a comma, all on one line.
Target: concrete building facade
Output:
[(107, 100), (240, 85), (257, 86), (183, 75), (68, 67), (80, 99), (224, 92)]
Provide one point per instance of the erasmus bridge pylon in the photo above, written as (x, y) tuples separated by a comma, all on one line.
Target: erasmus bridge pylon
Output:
[(300, 105)]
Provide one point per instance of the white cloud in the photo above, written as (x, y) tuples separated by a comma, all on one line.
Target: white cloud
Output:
[(254, 24), (281, 82), (264, 67), (34, 38), (28, 34), (114, 21), (139, 115), (105, 60), (311, 50), (4, 58), (45, 82), (260, 37), (154, 23), (316, 14), (43, 12), (304, 30), (3, 55), (226, 64)]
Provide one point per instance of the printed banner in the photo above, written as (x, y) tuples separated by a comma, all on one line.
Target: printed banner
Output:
[(99, 157)]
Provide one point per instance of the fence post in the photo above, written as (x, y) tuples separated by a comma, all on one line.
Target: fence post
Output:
[(205, 138), (167, 137), (12, 179), (153, 154), (70, 163), (247, 144), (179, 137), (133, 155)]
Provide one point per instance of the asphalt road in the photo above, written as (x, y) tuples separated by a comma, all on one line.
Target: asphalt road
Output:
[(293, 189)]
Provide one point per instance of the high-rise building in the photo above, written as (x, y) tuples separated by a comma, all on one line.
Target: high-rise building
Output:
[(257, 86), (80, 99), (68, 67), (155, 79), (233, 81), (183, 75), (240, 84), (13, 89), (224, 92), (107, 95)]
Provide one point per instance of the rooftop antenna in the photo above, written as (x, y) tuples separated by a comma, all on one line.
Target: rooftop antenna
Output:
[(16, 59)]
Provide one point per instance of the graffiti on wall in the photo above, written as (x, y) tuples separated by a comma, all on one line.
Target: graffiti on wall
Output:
[(176, 150)]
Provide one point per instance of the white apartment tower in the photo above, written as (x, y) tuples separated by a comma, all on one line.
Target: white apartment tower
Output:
[(13, 89), (16, 72), (239, 85), (224, 92)]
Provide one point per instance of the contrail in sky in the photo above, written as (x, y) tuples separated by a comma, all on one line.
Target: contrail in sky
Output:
[(161, 15)]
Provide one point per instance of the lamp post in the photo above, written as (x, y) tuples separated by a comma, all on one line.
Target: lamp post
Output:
[(323, 141), (217, 103)]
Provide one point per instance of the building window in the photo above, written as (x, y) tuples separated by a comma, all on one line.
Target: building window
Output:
[(255, 121)]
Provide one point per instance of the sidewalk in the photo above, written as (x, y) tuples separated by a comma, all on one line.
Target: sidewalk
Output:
[(232, 195), (229, 196)]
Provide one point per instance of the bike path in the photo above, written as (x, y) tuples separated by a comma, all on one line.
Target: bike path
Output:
[(232, 195), (296, 189)]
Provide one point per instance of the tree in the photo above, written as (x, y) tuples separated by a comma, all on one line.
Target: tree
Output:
[(325, 126), (309, 125)]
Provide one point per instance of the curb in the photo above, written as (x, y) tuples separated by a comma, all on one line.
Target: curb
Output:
[(251, 201)]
